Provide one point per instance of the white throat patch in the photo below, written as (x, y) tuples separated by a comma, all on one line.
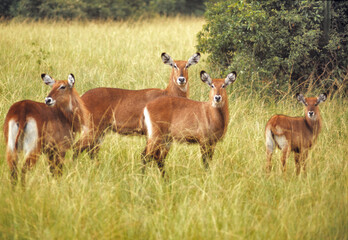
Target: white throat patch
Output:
[(184, 89), (217, 104)]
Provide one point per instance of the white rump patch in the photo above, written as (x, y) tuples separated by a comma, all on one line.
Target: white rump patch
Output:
[(281, 141), (269, 140), (30, 136), (12, 135), (148, 122)]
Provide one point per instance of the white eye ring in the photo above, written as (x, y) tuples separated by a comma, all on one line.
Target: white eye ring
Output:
[(62, 87)]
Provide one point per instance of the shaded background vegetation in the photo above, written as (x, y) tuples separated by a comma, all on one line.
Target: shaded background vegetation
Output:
[(291, 45), (98, 9), (287, 46)]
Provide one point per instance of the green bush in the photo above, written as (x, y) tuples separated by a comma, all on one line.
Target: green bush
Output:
[(283, 43)]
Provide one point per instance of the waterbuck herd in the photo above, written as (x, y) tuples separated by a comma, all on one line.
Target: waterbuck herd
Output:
[(163, 115)]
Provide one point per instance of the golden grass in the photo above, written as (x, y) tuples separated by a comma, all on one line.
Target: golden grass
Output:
[(110, 199)]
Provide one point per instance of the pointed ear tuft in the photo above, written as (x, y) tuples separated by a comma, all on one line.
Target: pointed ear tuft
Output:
[(322, 98), (206, 78), (47, 79), (230, 78), (166, 59), (71, 80), (193, 60), (301, 98)]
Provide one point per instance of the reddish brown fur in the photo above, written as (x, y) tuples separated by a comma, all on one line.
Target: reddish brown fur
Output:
[(119, 110), (185, 120), (296, 134), (55, 127)]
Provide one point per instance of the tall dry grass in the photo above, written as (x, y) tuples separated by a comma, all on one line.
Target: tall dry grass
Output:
[(110, 199)]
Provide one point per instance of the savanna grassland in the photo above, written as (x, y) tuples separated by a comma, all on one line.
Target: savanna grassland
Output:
[(109, 198)]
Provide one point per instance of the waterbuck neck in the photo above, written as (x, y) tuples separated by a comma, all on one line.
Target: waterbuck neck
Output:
[(174, 90), (220, 114), (314, 125), (76, 112)]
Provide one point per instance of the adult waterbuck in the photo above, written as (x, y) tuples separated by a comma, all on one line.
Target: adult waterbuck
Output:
[(119, 110), (184, 120), (296, 134), (33, 127)]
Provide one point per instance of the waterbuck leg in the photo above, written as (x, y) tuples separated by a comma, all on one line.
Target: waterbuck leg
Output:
[(56, 163), (297, 163), (207, 154), (12, 159), (303, 158), (30, 161), (285, 155), (269, 160)]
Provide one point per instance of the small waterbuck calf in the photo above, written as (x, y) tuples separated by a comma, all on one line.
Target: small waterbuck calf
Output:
[(33, 127), (184, 120), (296, 134), (119, 109)]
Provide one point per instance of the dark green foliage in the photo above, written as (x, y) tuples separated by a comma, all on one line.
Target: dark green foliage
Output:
[(98, 9), (5, 7), (280, 42)]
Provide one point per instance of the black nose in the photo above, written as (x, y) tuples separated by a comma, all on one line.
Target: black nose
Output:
[(310, 113), (217, 98), (48, 101), (181, 79)]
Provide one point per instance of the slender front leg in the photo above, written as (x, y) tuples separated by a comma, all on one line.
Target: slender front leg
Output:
[(90, 142), (303, 158), (143, 160), (298, 163), (160, 164), (56, 163), (207, 154)]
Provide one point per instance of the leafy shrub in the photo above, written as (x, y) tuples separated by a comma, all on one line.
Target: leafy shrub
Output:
[(280, 42)]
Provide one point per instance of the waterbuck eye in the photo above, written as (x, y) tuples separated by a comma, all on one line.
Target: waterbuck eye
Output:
[(212, 86), (62, 87)]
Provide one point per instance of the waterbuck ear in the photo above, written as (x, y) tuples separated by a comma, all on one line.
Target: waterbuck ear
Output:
[(193, 60), (231, 77), (71, 80), (47, 79), (322, 98), (166, 59), (301, 98), (206, 78)]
